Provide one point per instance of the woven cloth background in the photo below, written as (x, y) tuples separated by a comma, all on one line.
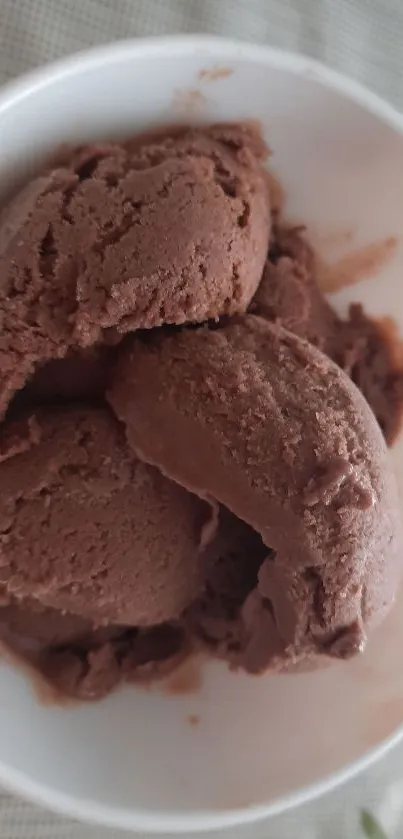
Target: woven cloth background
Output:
[(363, 38)]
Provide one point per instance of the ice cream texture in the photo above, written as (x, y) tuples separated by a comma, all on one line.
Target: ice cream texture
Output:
[(186, 459), (266, 425), (92, 530), (123, 238)]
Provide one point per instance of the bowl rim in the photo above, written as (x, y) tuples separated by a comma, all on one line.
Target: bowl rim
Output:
[(295, 63), (218, 49)]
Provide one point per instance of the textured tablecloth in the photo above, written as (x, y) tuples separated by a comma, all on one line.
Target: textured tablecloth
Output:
[(364, 38)]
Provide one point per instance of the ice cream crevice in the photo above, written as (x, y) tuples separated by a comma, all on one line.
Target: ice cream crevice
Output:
[(318, 594), (79, 255), (345, 642)]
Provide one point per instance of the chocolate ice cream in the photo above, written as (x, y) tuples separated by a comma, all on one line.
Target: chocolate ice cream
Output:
[(81, 376), (85, 660), (289, 295), (89, 529), (259, 420), (125, 237), (82, 660), (236, 492), (230, 569), (30, 627)]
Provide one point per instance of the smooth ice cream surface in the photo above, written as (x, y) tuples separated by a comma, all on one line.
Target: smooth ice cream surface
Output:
[(185, 460), (126, 237), (89, 529)]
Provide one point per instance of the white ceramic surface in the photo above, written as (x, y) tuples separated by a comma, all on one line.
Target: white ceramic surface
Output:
[(261, 744)]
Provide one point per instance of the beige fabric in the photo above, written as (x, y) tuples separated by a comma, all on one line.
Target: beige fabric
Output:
[(364, 38)]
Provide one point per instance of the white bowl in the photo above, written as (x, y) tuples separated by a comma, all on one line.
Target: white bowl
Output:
[(262, 744)]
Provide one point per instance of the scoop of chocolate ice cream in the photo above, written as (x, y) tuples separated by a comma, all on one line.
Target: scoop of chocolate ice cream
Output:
[(289, 295), (261, 421), (86, 661), (36, 306), (87, 528), (178, 231), (130, 237)]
